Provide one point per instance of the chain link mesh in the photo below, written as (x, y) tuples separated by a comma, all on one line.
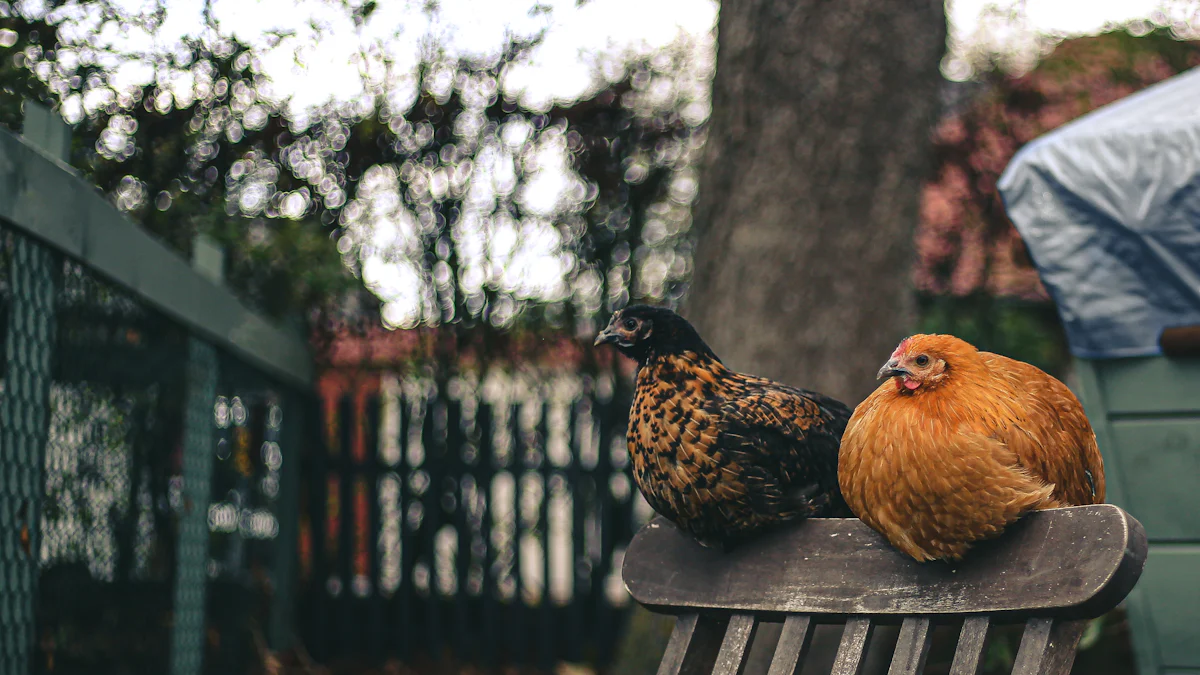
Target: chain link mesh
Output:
[(108, 432), (28, 344), (107, 554), (187, 645)]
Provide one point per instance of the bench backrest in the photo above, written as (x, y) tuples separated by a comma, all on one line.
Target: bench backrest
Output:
[(1052, 571)]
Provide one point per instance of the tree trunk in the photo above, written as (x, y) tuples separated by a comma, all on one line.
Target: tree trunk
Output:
[(810, 186), (809, 189)]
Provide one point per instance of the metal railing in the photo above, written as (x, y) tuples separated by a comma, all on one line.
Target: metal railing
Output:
[(149, 440)]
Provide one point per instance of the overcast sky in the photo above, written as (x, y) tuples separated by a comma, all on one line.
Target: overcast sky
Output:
[(563, 66)]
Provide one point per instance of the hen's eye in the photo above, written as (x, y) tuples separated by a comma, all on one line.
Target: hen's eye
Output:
[(629, 324), (922, 360)]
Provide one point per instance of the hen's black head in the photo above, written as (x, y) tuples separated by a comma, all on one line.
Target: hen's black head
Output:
[(641, 332)]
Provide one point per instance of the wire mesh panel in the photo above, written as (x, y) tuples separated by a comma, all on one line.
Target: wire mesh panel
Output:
[(28, 344), (110, 427), (483, 518), (7, 239), (112, 481), (190, 588)]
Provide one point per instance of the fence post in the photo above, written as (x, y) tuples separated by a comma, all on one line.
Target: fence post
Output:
[(187, 638), (191, 560), (25, 421), (291, 436), (46, 131)]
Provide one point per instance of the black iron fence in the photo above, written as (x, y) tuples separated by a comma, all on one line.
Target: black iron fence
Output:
[(478, 519), (148, 441)]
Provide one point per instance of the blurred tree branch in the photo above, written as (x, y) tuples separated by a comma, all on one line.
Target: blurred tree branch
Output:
[(406, 189)]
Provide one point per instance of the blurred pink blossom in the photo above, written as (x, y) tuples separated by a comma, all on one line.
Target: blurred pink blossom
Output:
[(964, 241)]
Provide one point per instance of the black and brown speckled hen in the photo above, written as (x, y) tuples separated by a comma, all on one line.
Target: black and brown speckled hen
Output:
[(721, 454)]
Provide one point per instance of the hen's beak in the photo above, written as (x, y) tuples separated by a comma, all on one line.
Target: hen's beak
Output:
[(606, 336), (891, 369)]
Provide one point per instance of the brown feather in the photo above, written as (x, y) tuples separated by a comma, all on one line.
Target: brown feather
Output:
[(721, 454)]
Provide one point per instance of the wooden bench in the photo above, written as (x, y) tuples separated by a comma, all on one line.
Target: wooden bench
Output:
[(1052, 571)]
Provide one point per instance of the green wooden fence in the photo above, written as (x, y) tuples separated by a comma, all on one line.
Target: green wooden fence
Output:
[(1146, 413), (149, 439)]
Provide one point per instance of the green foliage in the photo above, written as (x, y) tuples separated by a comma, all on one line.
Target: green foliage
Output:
[(1025, 331), (645, 639)]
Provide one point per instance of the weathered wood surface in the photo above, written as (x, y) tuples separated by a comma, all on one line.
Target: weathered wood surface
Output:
[(693, 647), (968, 656), (793, 645), (1048, 647), (852, 652), (912, 647), (735, 648), (1072, 562)]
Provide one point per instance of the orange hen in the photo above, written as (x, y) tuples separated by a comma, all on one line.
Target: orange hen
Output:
[(960, 443)]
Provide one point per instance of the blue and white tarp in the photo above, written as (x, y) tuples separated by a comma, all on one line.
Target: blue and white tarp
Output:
[(1109, 206)]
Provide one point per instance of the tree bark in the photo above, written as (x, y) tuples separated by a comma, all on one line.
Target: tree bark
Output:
[(810, 186), (809, 190)]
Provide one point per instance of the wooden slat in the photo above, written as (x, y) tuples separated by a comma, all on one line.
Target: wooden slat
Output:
[(1099, 552), (793, 645), (1168, 605), (1148, 386), (968, 657), (912, 647), (736, 646), (851, 653), (1048, 647), (1146, 453), (693, 647)]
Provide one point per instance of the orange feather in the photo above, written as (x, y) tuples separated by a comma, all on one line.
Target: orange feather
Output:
[(960, 444)]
